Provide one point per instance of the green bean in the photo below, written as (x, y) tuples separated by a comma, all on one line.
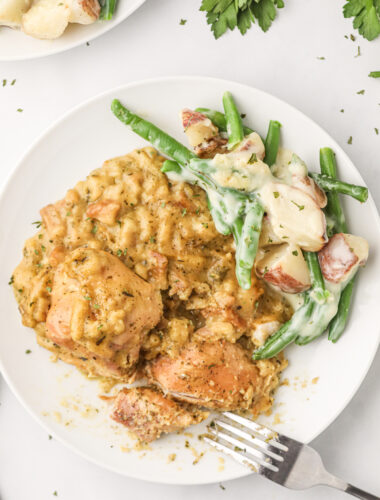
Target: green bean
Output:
[(330, 184), (219, 120), (287, 334), (317, 281), (272, 142), (333, 209), (171, 166), (107, 9), (159, 139), (233, 121), (246, 233), (338, 323)]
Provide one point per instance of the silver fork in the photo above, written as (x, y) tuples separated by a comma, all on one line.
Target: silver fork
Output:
[(279, 458)]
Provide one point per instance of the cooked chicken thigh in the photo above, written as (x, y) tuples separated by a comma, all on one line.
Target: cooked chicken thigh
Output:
[(101, 307), (212, 374)]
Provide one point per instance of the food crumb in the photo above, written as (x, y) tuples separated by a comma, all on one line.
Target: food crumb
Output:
[(315, 380), (277, 419), (171, 457), (221, 464), (197, 455), (58, 417), (222, 487), (125, 449), (285, 381)]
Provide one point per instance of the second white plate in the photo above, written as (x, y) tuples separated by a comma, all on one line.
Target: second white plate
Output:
[(15, 45)]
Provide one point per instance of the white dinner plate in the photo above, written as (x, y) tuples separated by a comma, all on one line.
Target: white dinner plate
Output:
[(15, 45), (322, 377)]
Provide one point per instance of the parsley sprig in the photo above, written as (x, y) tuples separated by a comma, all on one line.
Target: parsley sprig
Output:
[(229, 14), (366, 14)]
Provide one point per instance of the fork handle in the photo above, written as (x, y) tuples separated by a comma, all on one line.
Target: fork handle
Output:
[(339, 484), (358, 493)]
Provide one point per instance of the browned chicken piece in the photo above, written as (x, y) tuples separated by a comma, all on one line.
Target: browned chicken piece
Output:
[(101, 309), (202, 134), (212, 374), (105, 210), (147, 413)]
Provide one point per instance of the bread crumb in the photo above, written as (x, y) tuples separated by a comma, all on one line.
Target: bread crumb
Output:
[(285, 382), (221, 464), (315, 380), (58, 417), (125, 449), (171, 458)]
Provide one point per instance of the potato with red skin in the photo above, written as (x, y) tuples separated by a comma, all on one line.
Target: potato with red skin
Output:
[(285, 267), (288, 208), (147, 413), (202, 134), (342, 255), (216, 375)]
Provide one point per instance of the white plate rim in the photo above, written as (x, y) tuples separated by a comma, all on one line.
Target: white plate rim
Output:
[(140, 83), (102, 30)]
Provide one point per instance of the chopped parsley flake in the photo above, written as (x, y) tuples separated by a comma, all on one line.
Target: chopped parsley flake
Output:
[(361, 92), (183, 22), (48, 288), (11, 281), (28, 351), (4, 83), (295, 253), (86, 297), (374, 74), (37, 223), (321, 58), (342, 110), (184, 212), (20, 110), (94, 229), (276, 194), (349, 140), (152, 239), (119, 252), (13, 82), (253, 158), (300, 207), (376, 131)]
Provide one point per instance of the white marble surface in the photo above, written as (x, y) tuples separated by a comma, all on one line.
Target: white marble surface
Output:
[(283, 62)]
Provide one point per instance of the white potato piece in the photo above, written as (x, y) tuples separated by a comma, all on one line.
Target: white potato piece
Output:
[(341, 257), (295, 216), (198, 128), (11, 12), (284, 266), (84, 11), (264, 330), (310, 187), (267, 235), (46, 19)]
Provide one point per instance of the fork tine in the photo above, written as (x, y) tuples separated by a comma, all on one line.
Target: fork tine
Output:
[(264, 433), (229, 450), (243, 448), (259, 444)]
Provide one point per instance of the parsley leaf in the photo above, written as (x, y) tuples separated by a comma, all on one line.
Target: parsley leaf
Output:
[(366, 14), (225, 15)]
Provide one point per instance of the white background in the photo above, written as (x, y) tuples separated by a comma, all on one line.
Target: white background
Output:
[(283, 62)]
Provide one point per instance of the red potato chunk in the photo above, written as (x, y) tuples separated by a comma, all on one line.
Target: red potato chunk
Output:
[(202, 134), (310, 187), (198, 127), (295, 216), (215, 375), (342, 255), (147, 413), (84, 11), (284, 266)]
